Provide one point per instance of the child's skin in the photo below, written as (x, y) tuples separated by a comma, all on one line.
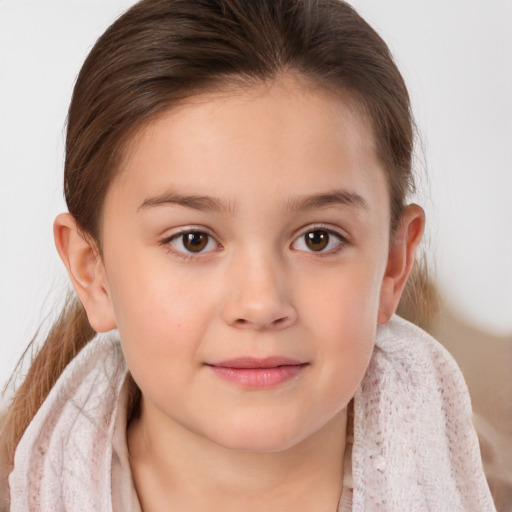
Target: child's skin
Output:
[(278, 161)]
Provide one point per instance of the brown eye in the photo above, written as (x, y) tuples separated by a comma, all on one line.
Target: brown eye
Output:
[(192, 242), (320, 241), (317, 240), (195, 241)]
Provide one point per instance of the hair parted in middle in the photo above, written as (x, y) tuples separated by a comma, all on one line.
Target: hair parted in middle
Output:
[(161, 52)]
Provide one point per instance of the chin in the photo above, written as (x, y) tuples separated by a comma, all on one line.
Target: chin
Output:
[(258, 436), (258, 445)]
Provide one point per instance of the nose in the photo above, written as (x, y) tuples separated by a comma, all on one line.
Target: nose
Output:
[(258, 295)]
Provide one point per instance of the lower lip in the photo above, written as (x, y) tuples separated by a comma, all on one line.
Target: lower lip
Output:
[(258, 377)]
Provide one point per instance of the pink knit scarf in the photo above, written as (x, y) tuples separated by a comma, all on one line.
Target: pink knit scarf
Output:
[(415, 448)]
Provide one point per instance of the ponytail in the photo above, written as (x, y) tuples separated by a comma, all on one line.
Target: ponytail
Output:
[(67, 337)]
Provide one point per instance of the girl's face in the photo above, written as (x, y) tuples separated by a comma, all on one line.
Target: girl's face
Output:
[(245, 243)]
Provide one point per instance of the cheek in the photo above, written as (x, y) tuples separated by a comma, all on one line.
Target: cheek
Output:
[(342, 318), (347, 295), (348, 335), (149, 292), (348, 344), (159, 317)]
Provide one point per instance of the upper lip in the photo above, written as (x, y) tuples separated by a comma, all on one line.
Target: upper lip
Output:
[(254, 362)]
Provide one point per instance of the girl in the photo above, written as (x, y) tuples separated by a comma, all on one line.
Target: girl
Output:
[(239, 240)]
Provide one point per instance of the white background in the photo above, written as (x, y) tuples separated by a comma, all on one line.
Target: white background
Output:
[(456, 56)]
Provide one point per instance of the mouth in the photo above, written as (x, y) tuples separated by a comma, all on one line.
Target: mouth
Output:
[(258, 373)]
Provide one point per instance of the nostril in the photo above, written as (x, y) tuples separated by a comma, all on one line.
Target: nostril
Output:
[(258, 312), (279, 321)]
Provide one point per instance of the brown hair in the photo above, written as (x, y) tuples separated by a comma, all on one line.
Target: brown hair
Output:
[(162, 51)]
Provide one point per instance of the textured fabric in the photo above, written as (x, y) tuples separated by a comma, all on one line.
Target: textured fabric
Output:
[(4, 464), (414, 445), (64, 459)]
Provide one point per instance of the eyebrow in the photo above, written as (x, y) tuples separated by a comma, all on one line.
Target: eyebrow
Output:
[(194, 201), (212, 204), (324, 200)]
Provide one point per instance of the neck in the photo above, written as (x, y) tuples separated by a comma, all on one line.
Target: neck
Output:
[(175, 469)]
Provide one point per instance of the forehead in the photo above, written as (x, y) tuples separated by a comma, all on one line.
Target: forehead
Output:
[(284, 137)]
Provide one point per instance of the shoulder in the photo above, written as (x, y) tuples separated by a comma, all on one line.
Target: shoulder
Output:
[(419, 363), (407, 340), (413, 428)]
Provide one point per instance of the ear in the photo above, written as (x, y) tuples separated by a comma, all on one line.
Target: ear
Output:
[(400, 260), (82, 260)]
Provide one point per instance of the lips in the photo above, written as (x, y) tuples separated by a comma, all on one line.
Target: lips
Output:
[(258, 373)]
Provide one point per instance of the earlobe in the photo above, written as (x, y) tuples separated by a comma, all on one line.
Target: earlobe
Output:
[(82, 260), (401, 259)]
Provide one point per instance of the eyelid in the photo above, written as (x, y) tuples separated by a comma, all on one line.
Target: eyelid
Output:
[(166, 241), (331, 230)]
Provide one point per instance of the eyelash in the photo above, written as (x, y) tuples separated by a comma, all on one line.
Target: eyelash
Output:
[(167, 242), (343, 241)]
